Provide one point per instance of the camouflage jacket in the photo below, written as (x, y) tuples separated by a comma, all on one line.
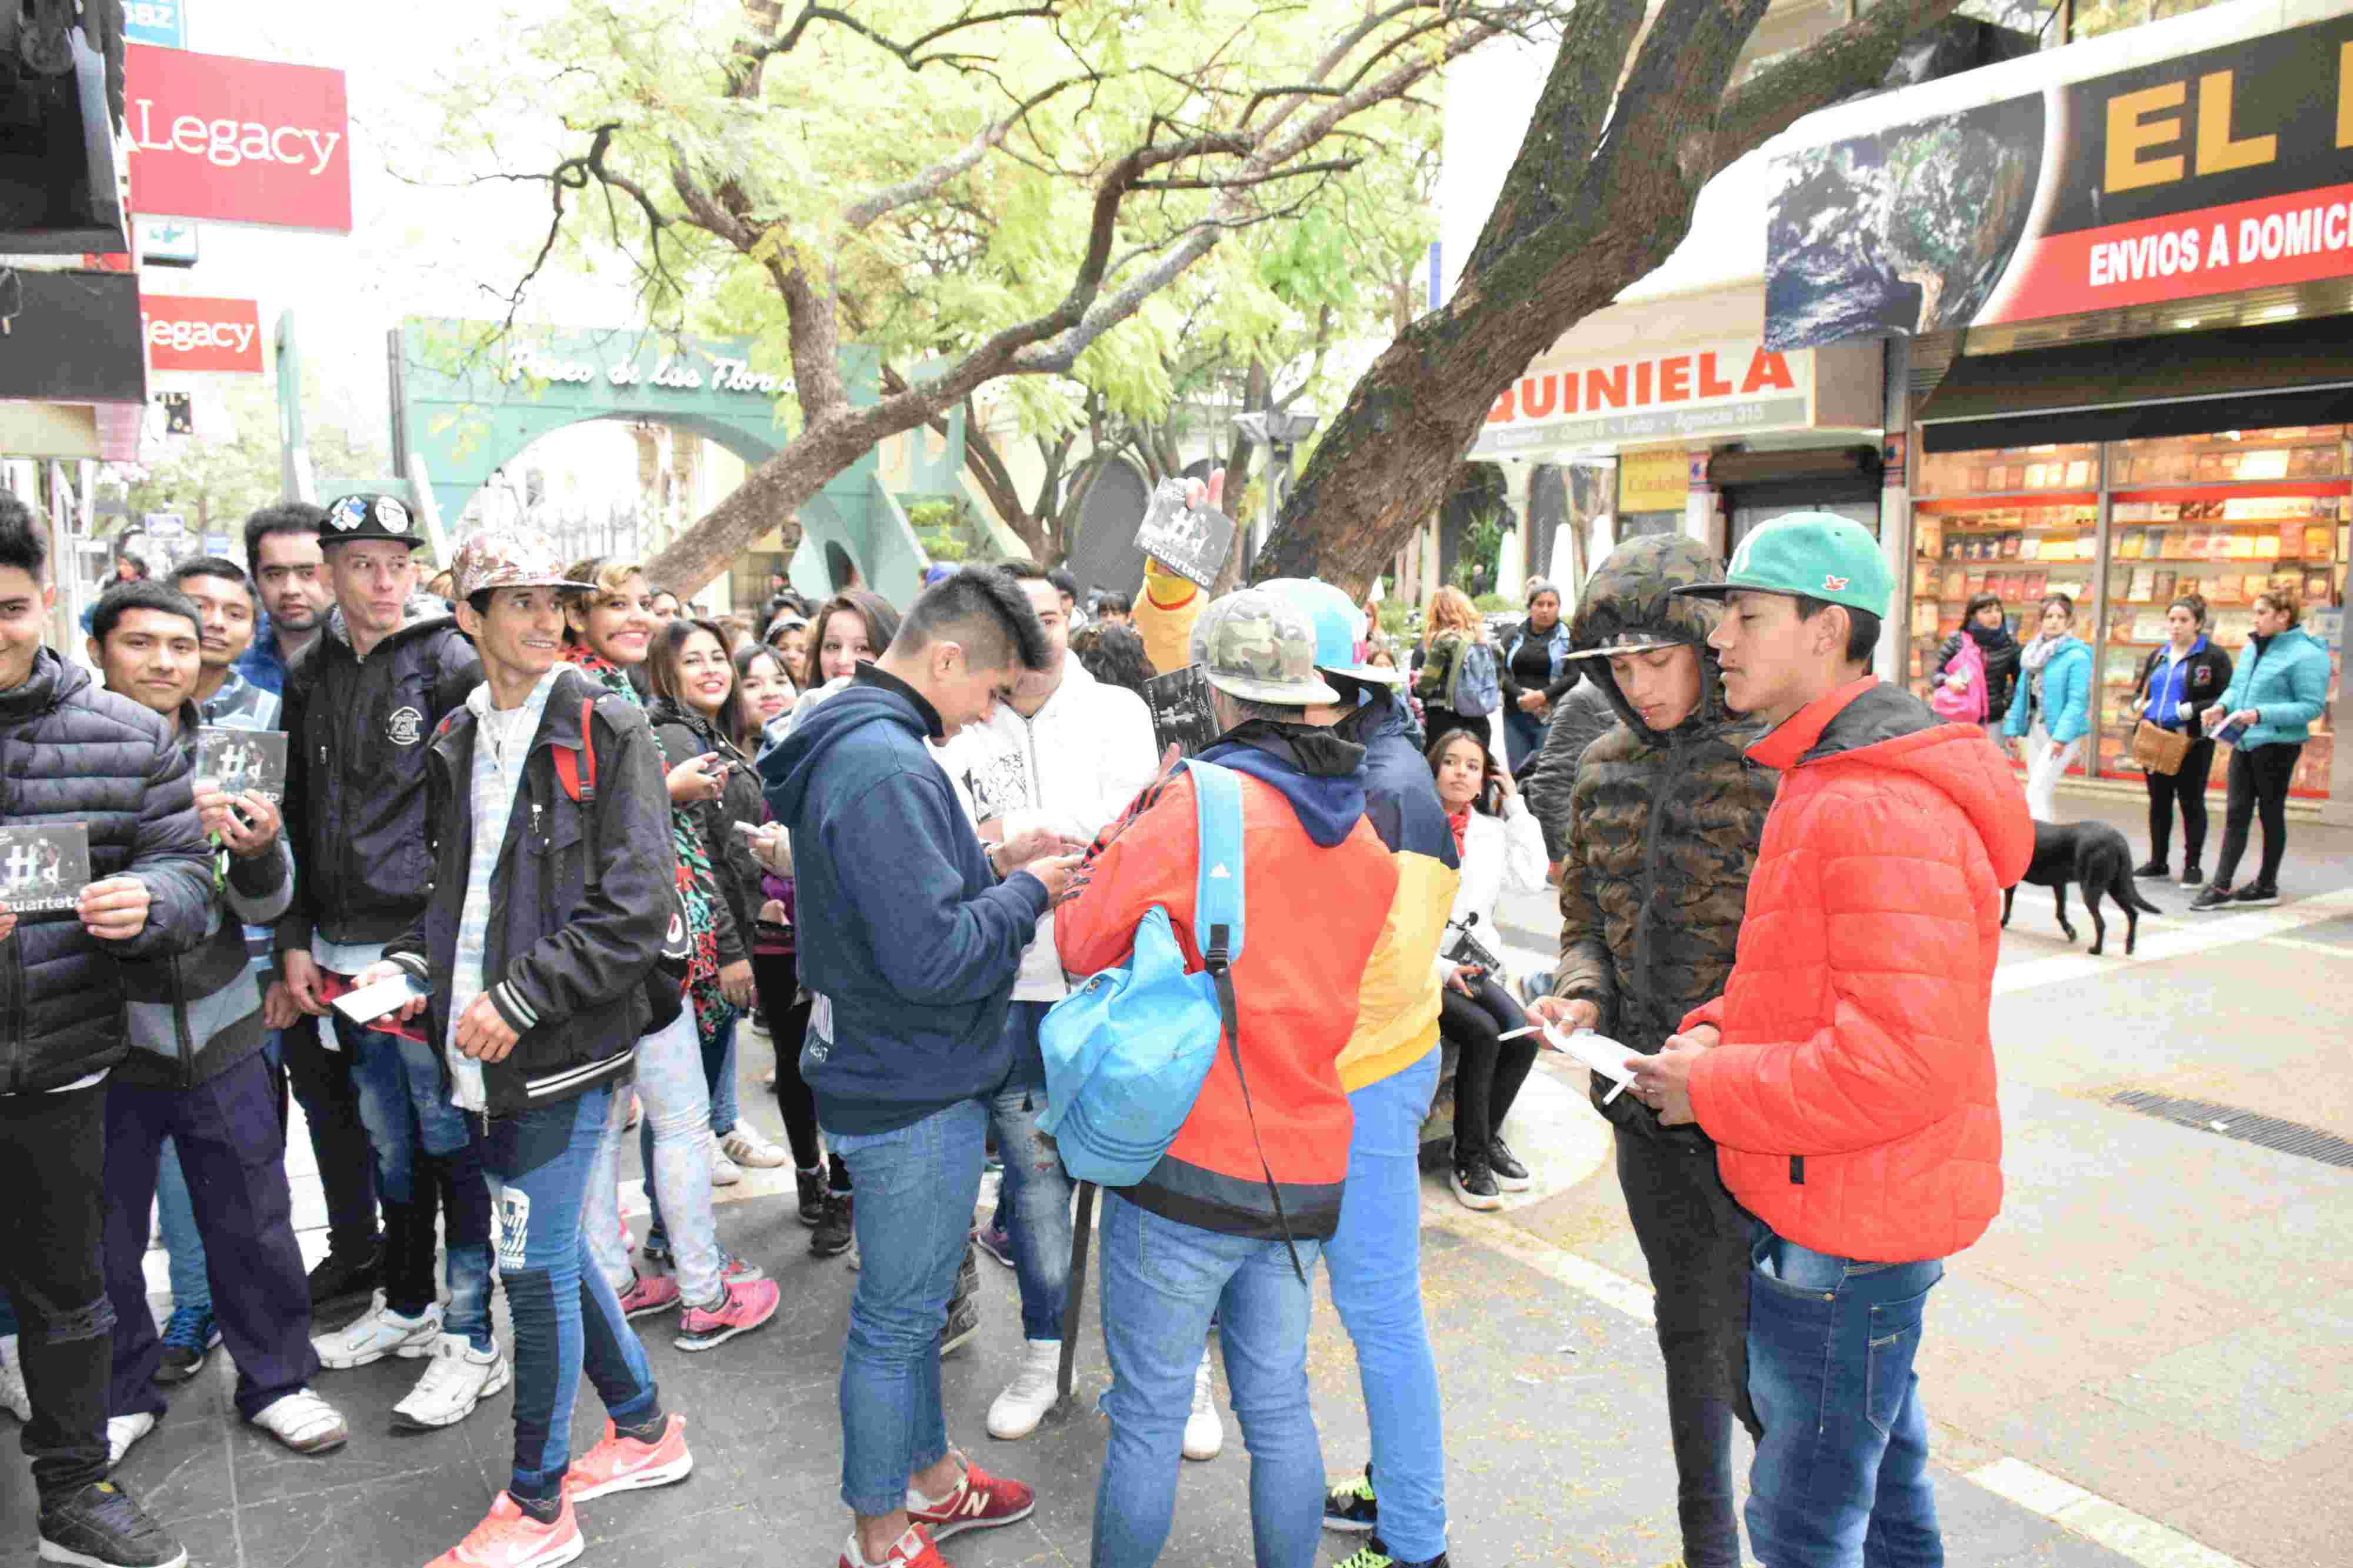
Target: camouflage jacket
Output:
[(1662, 828)]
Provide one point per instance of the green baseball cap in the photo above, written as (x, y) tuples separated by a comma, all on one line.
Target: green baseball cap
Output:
[(1813, 553)]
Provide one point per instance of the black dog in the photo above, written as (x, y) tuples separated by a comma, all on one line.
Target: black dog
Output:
[(2096, 856)]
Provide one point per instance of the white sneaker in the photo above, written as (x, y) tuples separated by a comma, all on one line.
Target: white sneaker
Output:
[(724, 1171), (459, 1378), (379, 1331), (13, 1397), (1031, 1393), (746, 1147), (122, 1431), (1205, 1434), (303, 1422)]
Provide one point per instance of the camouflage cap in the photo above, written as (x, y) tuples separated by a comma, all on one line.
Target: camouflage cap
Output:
[(1256, 646), (1630, 604), (507, 558)]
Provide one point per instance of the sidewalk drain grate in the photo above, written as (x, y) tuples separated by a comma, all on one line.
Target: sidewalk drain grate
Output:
[(2246, 1126)]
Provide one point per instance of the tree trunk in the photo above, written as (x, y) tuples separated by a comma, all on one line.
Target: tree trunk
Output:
[(1578, 220)]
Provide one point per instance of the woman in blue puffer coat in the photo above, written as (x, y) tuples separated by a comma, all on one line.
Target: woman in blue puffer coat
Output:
[(2280, 687), (2051, 708)]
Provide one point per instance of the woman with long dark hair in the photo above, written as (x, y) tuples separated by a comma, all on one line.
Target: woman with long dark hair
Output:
[(2180, 676), (1501, 845), (1984, 624), (692, 712), (2280, 687)]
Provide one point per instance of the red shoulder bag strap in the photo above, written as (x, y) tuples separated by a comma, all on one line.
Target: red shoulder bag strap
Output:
[(577, 771)]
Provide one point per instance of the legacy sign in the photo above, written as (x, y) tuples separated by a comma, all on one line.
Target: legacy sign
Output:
[(234, 141), (186, 331), (1709, 389)]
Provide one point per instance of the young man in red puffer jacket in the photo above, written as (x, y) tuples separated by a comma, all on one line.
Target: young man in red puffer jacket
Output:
[(1847, 1073)]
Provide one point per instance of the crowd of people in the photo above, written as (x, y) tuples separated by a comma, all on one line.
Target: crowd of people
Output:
[(538, 865)]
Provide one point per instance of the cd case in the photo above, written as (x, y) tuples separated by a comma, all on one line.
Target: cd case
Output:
[(43, 869), (243, 761)]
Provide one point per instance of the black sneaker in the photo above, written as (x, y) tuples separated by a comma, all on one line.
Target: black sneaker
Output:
[(101, 1527), (2258, 893), (1352, 1508), (2194, 875), (340, 1276), (964, 1321), (1510, 1175), (2153, 868), (2217, 896), (833, 1232), (811, 1184), (189, 1337), (1373, 1554), (1474, 1186)]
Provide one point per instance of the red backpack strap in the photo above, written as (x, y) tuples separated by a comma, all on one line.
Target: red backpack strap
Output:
[(577, 771)]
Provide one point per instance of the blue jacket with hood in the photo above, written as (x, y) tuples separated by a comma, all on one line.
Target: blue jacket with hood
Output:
[(905, 930)]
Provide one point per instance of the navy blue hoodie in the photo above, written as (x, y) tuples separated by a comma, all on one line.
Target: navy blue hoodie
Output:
[(903, 927)]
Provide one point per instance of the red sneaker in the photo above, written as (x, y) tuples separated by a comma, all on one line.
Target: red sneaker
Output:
[(649, 1293), (980, 1501), (742, 1306), (510, 1537), (913, 1549), (619, 1464)]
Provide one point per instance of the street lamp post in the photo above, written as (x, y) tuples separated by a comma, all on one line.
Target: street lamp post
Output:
[(1280, 433)]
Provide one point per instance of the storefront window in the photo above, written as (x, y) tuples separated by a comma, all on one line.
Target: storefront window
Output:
[(2123, 533)]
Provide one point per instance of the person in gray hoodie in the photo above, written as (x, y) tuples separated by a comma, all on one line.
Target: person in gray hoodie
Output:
[(196, 1074)]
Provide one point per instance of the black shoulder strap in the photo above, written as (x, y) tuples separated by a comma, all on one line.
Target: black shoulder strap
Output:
[(1214, 961)]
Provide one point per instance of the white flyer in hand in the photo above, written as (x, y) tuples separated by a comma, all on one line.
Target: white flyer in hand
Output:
[(366, 1004), (1600, 1052)]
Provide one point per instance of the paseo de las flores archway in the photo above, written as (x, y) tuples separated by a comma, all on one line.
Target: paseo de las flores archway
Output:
[(467, 398)]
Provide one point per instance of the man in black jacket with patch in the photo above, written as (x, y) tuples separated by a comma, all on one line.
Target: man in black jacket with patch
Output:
[(361, 703), (70, 753), (552, 891)]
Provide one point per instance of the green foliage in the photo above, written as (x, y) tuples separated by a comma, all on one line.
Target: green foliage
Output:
[(217, 484), (1483, 542)]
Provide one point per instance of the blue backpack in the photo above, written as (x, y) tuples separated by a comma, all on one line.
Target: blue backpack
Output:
[(1478, 686), (1127, 1051)]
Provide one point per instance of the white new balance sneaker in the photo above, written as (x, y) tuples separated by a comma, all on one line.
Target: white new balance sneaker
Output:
[(1205, 1434), (122, 1431), (459, 1378), (378, 1333), (1026, 1400)]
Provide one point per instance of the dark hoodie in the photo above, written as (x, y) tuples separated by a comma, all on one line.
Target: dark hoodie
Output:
[(1317, 888), (919, 944), (1663, 826)]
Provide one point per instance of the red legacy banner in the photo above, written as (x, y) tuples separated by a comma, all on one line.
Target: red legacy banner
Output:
[(236, 140), (186, 332)]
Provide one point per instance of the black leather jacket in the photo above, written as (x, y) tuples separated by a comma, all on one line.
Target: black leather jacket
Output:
[(582, 896), (357, 734), (71, 753)]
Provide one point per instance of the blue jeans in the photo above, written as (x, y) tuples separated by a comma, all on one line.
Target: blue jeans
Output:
[(565, 1316), (1523, 735), (1376, 1262), (1036, 1202), (1161, 1282), (1842, 1473), (916, 1187), (425, 1159), (719, 1067), (183, 1249)]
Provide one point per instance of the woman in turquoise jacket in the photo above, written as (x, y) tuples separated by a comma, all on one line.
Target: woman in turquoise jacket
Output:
[(2051, 707), (2280, 687)]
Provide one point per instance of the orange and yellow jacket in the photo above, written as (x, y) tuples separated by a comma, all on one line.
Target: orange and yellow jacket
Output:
[(1397, 1012), (1315, 883)]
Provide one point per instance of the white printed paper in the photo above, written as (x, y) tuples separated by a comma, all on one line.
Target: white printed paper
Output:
[(366, 1004), (1600, 1052)]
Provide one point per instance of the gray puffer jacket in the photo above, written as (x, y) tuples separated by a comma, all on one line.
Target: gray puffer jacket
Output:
[(70, 752)]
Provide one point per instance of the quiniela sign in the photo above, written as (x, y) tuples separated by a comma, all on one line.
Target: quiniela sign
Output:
[(1705, 389)]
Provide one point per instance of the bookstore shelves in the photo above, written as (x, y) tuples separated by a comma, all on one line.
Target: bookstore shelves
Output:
[(2126, 528)]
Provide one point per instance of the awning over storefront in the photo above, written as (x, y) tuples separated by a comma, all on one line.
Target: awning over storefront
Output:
[(2183, 384)]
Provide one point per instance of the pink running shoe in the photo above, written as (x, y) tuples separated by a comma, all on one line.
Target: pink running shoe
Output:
[(510, 1537), (649, 1293), (746, 1305), (621, 1464)]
